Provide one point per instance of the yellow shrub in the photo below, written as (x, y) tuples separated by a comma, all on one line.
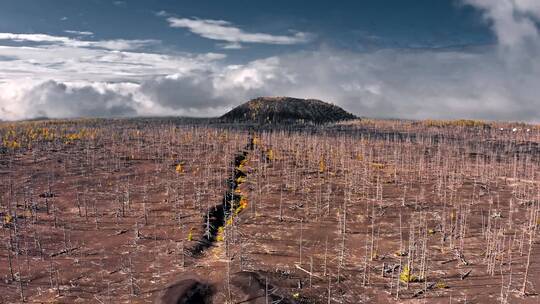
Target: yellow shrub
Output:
[(242, 205), (8, 219), (270, 154), (13, 144), (240, 180), (441, 285), (221, 234), (322, 166), (405, 276), (455, 123), (377, 165), (255, 141)]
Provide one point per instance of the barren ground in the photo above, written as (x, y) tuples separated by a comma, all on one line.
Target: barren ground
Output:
[(142, 211)]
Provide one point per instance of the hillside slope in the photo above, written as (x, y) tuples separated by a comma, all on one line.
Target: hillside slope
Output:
[(286, 110)]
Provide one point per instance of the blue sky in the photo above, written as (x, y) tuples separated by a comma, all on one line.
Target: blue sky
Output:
[(354, 25), (406, 59)]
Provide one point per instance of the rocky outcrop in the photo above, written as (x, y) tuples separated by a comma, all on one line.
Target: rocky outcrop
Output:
[(270, 110)]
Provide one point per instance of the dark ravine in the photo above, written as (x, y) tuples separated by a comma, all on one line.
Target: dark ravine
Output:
[(195, 290), (248, 287), (187, 291), (217, 214)]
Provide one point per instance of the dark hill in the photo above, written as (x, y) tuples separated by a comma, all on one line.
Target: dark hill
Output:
[(286, 110)]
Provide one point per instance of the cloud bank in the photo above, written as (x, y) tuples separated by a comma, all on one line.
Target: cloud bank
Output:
[(73, 77)]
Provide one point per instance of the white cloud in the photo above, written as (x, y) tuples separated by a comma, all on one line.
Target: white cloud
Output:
[(54, 99), (427, 84), (34, 38), (116, 44), (65, 79), (513, 21), (70, 64), (231, 46), (162, 13), (388, 83), (80, 33), (225, 31)]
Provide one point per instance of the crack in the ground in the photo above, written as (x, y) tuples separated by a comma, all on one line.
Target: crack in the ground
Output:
[(249, 284), (216, 215)]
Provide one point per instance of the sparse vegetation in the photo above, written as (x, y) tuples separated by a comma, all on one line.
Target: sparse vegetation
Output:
[(363, 211)]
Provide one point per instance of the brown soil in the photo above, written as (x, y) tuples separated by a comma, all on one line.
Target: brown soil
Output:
[(332, 215)]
